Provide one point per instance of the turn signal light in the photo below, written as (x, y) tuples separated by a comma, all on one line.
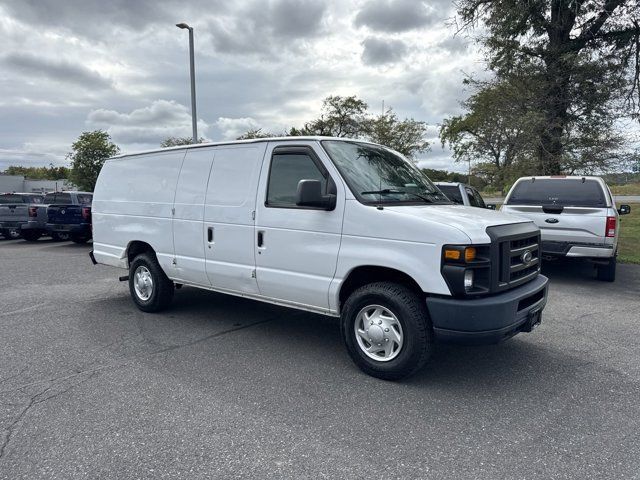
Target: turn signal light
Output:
[(469, 254), (452, 254)]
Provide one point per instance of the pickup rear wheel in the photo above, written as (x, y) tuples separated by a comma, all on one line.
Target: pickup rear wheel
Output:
[(386, 329), (150, 288), (30, 235), (79, 238), (59, 236)]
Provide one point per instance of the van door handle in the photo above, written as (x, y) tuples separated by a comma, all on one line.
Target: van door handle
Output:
[(260, 238), (210, 234)]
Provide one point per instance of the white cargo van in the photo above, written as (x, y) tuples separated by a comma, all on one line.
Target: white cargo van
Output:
[(333, 226)]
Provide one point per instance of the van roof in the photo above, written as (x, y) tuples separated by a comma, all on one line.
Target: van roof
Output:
[(252, 140)]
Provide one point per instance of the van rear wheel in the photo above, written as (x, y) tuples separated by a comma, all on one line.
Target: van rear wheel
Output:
[(150, 288), (386, 329)]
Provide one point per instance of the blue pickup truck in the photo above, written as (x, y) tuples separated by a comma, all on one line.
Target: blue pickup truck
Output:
[(69, 213)]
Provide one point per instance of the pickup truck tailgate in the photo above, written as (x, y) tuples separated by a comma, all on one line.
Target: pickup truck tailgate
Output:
[(65, 214), (566, 224), (14, 215)]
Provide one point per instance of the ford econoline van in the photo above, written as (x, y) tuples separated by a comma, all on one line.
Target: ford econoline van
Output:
[(328, 225)]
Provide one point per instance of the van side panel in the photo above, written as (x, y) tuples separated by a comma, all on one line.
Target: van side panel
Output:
[(188, 221), (140, 188), (230, 203)]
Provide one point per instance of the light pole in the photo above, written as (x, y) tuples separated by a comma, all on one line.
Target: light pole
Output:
[(194, 116)]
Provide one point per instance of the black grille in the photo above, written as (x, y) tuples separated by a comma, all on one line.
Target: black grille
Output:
[(515, 253)]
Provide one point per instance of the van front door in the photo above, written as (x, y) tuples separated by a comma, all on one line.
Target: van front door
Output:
[(296, 247), (229, 217)]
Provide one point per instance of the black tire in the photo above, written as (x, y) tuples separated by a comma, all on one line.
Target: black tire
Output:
[(411, 312), (60, 237), (162, 290), (607, 273), (31, 235), (80, 238)]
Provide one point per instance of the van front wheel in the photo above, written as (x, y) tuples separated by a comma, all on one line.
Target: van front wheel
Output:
[(386, 329), (150, 288)]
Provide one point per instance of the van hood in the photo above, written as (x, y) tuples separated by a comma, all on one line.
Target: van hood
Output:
[(472, 221)]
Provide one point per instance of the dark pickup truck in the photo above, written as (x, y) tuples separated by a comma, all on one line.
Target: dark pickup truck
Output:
[(69, 213), (22, 214)]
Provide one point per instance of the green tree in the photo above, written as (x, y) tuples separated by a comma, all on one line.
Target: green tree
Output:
[(39, 173), (582, 54), (255, 133), (88, 154), (178, 141), (405, 136), (497, 130), (340, 117)]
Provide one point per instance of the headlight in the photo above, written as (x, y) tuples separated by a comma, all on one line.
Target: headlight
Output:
[(468, 280), (467, 269)]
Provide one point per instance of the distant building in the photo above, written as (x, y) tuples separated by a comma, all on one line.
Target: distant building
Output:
[(18, 183)]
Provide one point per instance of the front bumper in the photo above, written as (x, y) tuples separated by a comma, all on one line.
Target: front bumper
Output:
[(576, 250), (489, 319)]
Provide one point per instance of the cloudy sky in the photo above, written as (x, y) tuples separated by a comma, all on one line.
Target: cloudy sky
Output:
[(67, 66)]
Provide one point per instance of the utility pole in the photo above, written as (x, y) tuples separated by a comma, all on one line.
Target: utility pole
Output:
[(194, 115)]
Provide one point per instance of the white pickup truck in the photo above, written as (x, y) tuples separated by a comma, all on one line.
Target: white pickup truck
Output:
[(333, 226), (576, 215)]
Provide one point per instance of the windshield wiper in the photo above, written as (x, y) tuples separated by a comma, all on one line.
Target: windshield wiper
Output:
[(388, 191)]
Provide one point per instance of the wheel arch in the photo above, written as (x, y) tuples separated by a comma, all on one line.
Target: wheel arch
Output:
[(135, 248), (365, 274)]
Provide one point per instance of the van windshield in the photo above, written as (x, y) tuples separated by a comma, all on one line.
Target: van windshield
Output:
[(559, 191), (376, 175)]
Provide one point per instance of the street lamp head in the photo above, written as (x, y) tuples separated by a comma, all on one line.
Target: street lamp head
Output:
[(183, 25)]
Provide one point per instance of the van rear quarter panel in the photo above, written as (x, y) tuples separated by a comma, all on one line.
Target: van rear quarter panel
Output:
[(132, 201)]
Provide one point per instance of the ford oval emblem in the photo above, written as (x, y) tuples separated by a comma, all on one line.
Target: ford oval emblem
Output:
[(551, 220), (526, 257)]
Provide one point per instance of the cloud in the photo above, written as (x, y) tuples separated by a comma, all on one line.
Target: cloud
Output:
[(394, 16), (232, 128), (270, 27), (378, 51), (58, 70), (148, 125)]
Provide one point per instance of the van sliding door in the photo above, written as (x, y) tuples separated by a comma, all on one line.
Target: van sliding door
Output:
[(229, 217)]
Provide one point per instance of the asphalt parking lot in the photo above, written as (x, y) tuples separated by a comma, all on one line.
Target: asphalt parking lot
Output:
[(221, 387)]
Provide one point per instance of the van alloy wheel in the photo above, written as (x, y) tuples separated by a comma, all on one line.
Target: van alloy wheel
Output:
[(378, 333), (143, 283)]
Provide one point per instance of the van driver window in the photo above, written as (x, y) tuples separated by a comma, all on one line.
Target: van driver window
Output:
[(286, 171)]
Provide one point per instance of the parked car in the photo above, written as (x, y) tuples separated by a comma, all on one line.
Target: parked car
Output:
[(333, 226), (22, 214), (69, 215), (576, 215), (463, 194)]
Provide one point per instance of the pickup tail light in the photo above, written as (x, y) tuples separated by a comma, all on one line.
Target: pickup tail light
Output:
[(86, 213), (33, 211), (611, 227)]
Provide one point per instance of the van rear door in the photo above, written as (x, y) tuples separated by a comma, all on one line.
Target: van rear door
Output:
[(565, 209)]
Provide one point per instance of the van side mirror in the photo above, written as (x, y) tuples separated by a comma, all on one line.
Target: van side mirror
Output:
[(491, 206), (309, 194), (624, 209)]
